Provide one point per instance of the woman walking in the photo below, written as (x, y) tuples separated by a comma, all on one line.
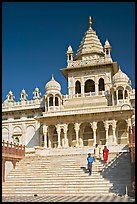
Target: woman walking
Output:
[(105, 154)]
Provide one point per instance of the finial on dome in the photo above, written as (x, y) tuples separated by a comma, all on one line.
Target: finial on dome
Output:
[(90, 21), (52, 77)]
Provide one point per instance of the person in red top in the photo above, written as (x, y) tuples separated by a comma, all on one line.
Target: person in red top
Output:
[(105, 154)]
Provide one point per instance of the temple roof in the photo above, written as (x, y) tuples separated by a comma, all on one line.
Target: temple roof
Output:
[(90, 44)]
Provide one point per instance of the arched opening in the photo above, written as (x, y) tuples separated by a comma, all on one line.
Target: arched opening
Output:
[(88, 136), (89, 86), (126, 94), (101, 84), (17, 140), (120, 94), (121, 132), (101, 135), (56, 101), (71, 135), (55, 139), (77, 87), (107, 51), (50, 101)]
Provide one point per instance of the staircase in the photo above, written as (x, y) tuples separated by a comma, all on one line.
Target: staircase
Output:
[(62, 172), (55, 175)]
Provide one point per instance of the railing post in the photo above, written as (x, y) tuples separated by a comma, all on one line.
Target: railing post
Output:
[(14, 163), (21, 150)]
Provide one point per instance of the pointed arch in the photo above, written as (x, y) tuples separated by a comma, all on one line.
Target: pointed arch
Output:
[(120, 94), (77, 87), (51, 101), (121, 132), (89, 86), (101, 84)]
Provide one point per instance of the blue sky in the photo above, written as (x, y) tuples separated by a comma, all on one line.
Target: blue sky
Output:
[(36, 35)]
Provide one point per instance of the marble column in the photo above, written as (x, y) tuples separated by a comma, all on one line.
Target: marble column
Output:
[(106, 129), (65, 129), (116, 96), (77, 132), (82, 87), (96, 88), (48, 103), (58, 132), (45, 131), (94, 127), (114, 131)]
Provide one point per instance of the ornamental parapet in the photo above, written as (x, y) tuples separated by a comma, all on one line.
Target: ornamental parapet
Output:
[(23, 105), (80, 63), (66, 112)]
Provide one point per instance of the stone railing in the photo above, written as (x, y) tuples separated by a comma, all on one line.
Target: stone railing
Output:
[(80, 63), (12, 149), (18, 104), (78, 95)]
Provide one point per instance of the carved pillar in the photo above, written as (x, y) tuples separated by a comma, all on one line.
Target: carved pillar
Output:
[(48, 103), (112, 95), (94, 127), (116, 96), (114, 131), (45, 130), (58, 132), (23, 133), (96, 86), (129, 123), (81, 137), (54, 101), (82, 86), (106, 129), (50, 137), (65, 129), (77, 131)]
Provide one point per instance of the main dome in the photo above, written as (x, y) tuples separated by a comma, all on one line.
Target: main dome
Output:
[(53, 85)]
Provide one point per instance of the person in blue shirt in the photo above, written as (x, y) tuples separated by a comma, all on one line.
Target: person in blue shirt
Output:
[(90, 160)]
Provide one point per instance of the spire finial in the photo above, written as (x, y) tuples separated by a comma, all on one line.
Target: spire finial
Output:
[(90, 21), (52, 77)]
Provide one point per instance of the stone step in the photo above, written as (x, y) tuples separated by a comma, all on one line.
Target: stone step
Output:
[(58, 185), (60, 177), (56, 182), (55, 193), (58, 171)]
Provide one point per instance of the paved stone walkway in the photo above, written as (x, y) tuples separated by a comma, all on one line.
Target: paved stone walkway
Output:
[(60, 198)]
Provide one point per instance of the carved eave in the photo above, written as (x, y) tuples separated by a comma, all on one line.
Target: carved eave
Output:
[(89, 67)]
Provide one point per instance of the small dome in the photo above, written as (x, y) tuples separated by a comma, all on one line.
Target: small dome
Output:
[(121, 77), (10, 93), (107, 44), (36, 89), (52, 85), (69, 51), (23, 91)]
